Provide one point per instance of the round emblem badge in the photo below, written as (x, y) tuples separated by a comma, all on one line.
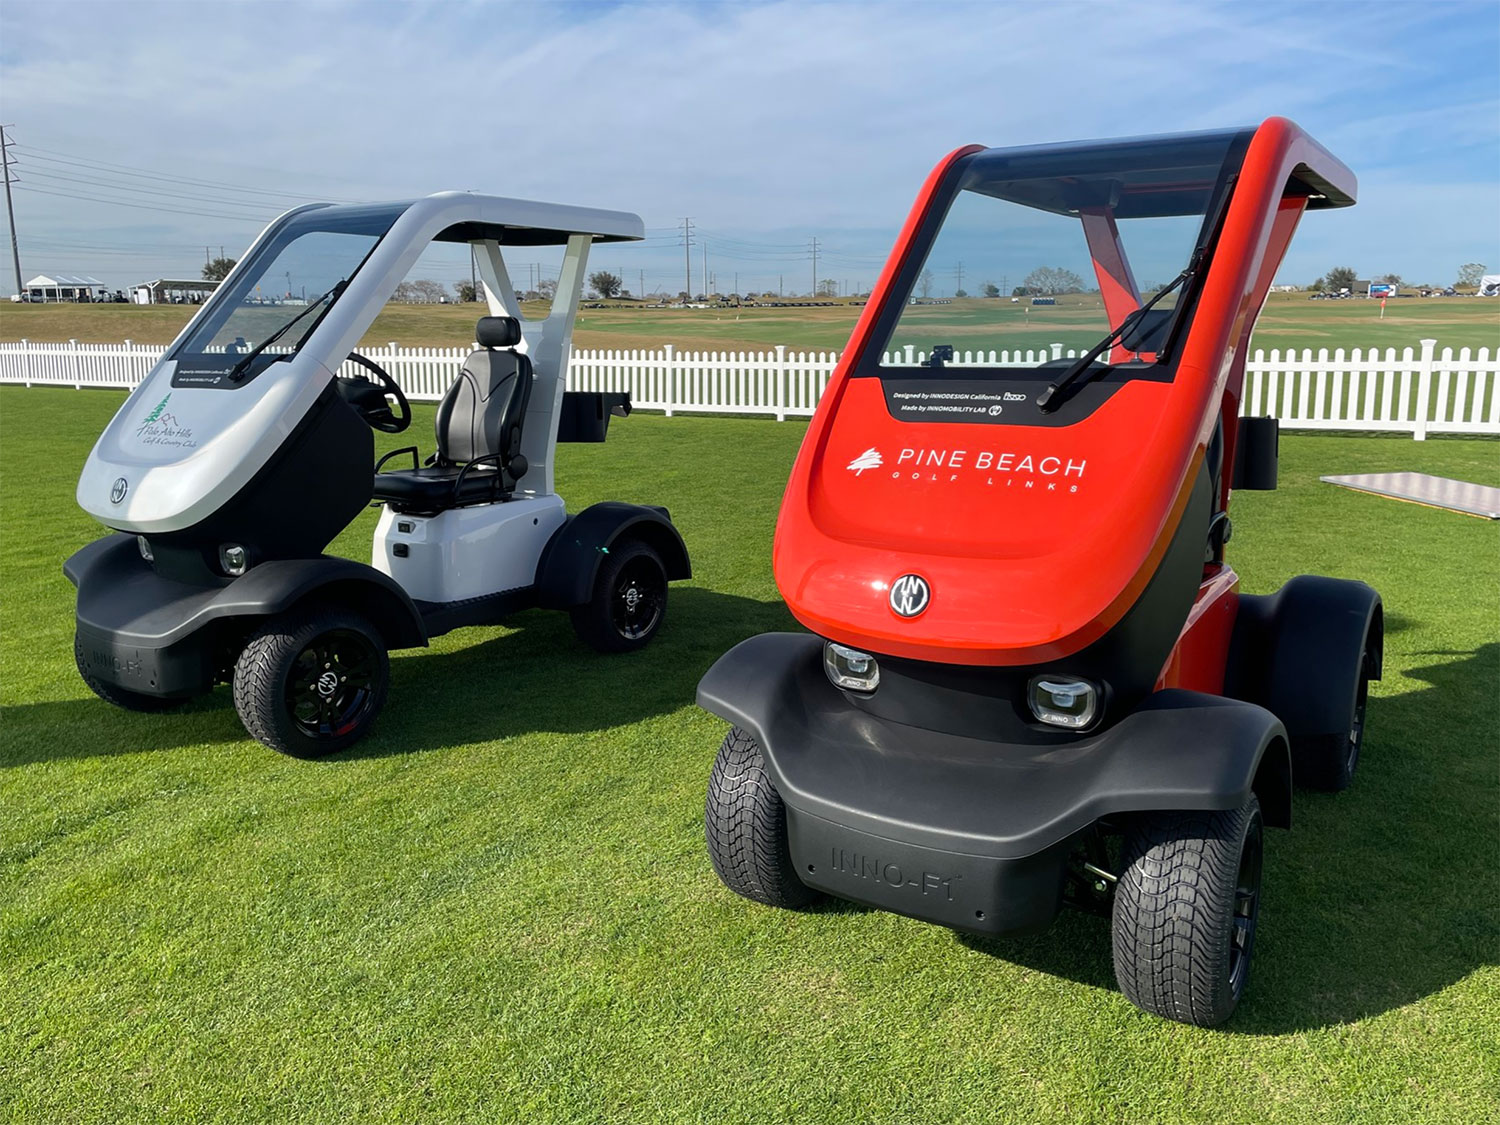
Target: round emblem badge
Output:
[(118, 489), (910, 595)]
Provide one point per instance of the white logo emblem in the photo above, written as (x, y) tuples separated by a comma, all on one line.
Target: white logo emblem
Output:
[(869, 459), (118, 489), (910, 595), (328, 683)]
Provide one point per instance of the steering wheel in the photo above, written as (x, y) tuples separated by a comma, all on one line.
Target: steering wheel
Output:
[(375, 409)]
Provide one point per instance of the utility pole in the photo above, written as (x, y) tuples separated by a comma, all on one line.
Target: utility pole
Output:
[(10, 207), (707, 282), (959, 274), (780, 285), (641, 292), (815, 266), (687, 257)]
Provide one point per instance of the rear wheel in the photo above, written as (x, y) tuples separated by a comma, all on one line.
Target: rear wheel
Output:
[(1185, 912), (311, 683), (120, 697), (629, 601), (745, 823), (1328, 762)]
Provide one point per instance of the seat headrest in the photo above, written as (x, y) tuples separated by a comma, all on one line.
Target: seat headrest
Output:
[(497, 332)]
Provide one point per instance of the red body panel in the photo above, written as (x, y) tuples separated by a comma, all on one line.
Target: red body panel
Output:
[(1034, 540), (1198, 659)]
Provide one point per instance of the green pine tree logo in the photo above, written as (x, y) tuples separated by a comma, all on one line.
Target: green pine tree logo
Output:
[(155, 414)]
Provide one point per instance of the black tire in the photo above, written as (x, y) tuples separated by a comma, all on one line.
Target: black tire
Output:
[(1327, 762), (121, 697), (1185, 912), (629, 601), (745, 824), (311, 683)]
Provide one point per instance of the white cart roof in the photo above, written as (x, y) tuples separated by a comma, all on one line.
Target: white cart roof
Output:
[(467, 217)]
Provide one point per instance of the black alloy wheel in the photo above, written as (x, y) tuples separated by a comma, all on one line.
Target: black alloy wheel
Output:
[(639, 597), (311, 683), (629, 601), (332, 684)]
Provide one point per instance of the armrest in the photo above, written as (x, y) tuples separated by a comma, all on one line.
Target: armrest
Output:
[(412, 449)]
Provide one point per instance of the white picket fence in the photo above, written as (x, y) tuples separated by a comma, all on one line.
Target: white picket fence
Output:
[(1416, 391)]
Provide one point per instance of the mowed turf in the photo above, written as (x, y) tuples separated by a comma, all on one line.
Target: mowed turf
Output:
[(1290, 320), (499, 907)]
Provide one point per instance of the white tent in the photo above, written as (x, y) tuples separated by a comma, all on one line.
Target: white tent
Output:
[(64, 287)]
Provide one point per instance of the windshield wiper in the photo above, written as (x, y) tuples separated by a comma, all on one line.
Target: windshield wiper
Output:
[(1080, 372), (237, 372)]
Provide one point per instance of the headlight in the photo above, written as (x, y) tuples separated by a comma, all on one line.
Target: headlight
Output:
[(144, 546), (232, 559), (1063, 701), (849, 668)]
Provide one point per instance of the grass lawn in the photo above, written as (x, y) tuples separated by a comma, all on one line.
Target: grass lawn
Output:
[(1289, 321), (499, 907)]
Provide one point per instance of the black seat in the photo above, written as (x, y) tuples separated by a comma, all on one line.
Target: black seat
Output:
[(479, 424)]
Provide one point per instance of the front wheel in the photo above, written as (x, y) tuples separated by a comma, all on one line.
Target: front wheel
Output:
[(1185, 912), (629, 601), (311, 683), (745, 823)]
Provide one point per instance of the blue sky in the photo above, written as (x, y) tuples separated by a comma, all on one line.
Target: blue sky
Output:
[(769, 124)]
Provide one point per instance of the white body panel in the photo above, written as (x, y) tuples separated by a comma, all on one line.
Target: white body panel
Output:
[(182, 462), (467, 552)]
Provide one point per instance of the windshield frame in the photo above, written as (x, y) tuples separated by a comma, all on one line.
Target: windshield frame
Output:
[(197, 367), (1089, 156)]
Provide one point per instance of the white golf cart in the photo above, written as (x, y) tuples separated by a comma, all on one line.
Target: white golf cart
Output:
[(248, 448)]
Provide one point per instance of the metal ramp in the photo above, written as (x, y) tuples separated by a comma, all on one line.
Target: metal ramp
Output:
[(1435, 492)]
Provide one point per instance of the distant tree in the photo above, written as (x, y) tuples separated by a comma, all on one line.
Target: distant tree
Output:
[(1340, 277), (1317, 285), (546, 289), (218, 269), (1050, 280), (406, 293), (1020, 291), (429, 291), (960, 292), (604, 283), (990, 289), (1469, 274), (684, 295), (924, 283), (466, 291), (1392, 279), (828, 288)]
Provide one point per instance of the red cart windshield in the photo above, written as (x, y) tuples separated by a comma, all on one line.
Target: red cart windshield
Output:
[(1040, 252)]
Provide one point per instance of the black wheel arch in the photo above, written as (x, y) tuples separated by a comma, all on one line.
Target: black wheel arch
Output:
[(1177, 750), (1311, 631), (570, 564)]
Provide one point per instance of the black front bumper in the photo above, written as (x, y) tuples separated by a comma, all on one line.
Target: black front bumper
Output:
[(130, 622), (967, 832), (157, 636)]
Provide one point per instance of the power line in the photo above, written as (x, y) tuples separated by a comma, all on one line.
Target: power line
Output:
[(815, 266), (49, 177), (33, 152), (145, 206)]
